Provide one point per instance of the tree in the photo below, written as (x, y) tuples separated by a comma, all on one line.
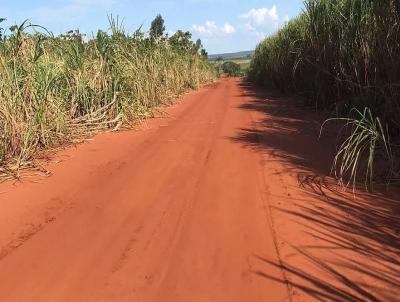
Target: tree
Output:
[(204, 53), (157, 28), (198, 45), (1, 29), (182, 41), (231, 69)]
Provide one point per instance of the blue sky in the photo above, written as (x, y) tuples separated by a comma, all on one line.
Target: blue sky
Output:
[(223, 25)]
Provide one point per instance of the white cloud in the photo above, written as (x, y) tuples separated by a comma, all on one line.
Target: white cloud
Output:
[(251, 27), (228, 29), (260, 16), (210, 28), (263, 21)]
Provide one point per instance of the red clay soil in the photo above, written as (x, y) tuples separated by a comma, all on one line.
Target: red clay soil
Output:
[(224, 198)]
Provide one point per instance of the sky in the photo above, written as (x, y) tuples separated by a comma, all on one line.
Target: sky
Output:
[(222, 25)]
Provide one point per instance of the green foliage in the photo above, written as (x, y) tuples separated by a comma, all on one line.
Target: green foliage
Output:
[(182, 41), (157, 28), (198, 45), (366, 137), (56, 89), (231, 69), (1, 29), (339, 55)]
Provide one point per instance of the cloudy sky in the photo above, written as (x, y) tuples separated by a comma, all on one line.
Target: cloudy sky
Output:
[(223, 25)]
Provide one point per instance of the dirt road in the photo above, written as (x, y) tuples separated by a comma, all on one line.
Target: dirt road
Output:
[(188, 207)]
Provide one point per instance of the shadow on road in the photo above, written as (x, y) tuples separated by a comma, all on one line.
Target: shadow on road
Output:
[(336, 246)]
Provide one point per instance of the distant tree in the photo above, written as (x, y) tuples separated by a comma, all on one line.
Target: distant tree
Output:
[(204, 53), (198, 45), (182, 41), (157, 28), (231, 69), (1, 29)]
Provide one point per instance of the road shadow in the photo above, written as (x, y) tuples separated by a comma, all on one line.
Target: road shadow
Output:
[(346, 246), (283, 124)]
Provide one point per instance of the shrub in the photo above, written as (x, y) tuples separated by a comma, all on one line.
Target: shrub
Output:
[(232, 69)]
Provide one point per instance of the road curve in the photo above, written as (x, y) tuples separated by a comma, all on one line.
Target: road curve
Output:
[(175, 210)]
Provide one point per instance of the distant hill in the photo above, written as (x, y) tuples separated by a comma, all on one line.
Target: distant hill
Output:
[(234, 55)]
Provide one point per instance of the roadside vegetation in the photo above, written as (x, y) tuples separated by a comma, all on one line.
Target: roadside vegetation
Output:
[(56, 89), (344, 57), (244, 65), (231, 67)]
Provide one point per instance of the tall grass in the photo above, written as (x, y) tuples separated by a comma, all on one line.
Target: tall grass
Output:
[(339, 55), (365, 137), (55, 89)]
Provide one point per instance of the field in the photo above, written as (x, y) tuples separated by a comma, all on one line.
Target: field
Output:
[(244, 64), (232, 56), (343, 57), (55, 90), (232, 67)]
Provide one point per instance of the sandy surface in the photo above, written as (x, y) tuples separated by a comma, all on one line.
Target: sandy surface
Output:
[(222, 198)]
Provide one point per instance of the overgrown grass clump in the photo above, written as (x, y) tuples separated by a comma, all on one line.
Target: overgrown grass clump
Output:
[(339, 55), (55, 89)]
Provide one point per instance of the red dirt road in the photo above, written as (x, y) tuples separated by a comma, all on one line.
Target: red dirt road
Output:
[(215, 201)]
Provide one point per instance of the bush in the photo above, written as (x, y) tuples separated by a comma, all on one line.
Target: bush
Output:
[(231, 69)]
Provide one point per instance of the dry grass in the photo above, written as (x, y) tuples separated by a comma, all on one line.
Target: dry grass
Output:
[(56, 89)]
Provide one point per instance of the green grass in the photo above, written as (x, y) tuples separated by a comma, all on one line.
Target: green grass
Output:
[(365, 135), (56, 89)]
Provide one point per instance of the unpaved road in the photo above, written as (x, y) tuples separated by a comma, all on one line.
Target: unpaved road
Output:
[(188, 207), (174, 212)]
